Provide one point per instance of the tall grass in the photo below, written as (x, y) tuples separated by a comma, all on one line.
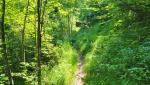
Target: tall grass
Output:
[(63, 73)]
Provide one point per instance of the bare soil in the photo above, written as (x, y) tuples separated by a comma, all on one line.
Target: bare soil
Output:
[(79, 74)]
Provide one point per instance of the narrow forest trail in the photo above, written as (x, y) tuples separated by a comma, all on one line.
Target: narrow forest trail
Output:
[(79, 74)]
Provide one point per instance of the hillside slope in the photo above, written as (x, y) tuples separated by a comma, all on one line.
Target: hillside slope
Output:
[(116, 51)]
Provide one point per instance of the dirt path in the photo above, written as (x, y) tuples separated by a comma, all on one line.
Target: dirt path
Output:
[(79, 74)]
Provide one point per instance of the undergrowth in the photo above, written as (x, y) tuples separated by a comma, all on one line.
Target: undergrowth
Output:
[(116, 57), (63, 73)]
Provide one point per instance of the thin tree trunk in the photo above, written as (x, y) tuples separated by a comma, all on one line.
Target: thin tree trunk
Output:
[(71, 20), (4, 50), (39, 41), (43, 13), (23, 34), (42, 18), (35, 29), (68, 23)]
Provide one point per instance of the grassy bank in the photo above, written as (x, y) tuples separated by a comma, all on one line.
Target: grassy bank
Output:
[(63, 73)]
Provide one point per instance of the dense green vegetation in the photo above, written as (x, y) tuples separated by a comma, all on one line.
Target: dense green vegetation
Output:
[(42, 42)]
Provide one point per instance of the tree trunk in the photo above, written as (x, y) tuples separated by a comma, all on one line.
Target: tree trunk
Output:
[(35, 24), (23, 34), (39, 41), (43, 14), (4, 50), (69, 22)]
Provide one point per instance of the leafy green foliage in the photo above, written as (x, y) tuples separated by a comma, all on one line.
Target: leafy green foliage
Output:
[(62, 73), (114, 48), (112, 35)]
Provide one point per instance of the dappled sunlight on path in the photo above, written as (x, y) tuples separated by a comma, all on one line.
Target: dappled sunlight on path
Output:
[(79, 74)]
